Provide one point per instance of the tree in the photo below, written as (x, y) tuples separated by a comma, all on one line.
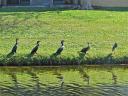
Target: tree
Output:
[(86, 4)]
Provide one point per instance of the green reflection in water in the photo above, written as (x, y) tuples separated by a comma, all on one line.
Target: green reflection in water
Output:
[(64, 81)]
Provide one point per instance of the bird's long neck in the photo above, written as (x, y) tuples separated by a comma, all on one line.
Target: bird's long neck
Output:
[(37, 44), (62, 44), (16, 43), (88, 45)]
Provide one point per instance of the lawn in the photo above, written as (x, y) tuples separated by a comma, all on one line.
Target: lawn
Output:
[(77, 27)]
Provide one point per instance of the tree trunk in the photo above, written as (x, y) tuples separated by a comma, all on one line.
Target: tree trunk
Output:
[(51, 3), (86, 4)]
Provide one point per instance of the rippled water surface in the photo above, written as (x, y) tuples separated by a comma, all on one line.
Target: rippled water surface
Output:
[(64, 81)]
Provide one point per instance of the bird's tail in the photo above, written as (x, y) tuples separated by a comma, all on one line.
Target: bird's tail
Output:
[(10, 54), (30, 55), (113, 50), (82, 55), (54, 55)]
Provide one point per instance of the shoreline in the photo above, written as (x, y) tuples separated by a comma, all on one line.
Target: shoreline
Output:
[(58, 66), (62, 61)]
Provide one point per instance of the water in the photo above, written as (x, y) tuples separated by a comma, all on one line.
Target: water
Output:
[(64, 81)]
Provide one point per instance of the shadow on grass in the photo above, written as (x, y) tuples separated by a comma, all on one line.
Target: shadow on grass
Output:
[(120, 9), (30, 9), (43, 9)]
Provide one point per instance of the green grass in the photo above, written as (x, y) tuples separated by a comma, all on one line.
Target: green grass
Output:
[(77, 27)]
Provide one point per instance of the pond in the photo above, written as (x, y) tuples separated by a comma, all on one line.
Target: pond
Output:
[(64, 81)]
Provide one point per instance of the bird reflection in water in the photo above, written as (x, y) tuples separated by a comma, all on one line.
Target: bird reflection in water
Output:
[(60, 77), (35, 78), (15, 82), (114, 78), (85, 76)]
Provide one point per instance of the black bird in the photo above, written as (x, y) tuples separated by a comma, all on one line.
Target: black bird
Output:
[(14, 49), (34, 50), (84, 50), (59, 50), (114, 47)]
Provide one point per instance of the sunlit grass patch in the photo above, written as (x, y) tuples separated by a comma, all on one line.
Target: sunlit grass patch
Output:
[(77, 27)]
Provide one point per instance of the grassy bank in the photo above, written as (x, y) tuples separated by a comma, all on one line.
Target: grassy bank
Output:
[(76, 27)]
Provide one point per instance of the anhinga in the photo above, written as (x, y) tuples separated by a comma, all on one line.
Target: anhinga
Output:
[(59, 50), (14, 49), (34, 50), (114, 78), (85, 76), (84, 50), (60, 77), (114, 47)]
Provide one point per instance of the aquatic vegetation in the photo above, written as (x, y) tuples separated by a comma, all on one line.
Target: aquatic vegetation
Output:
[(43, 61)]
